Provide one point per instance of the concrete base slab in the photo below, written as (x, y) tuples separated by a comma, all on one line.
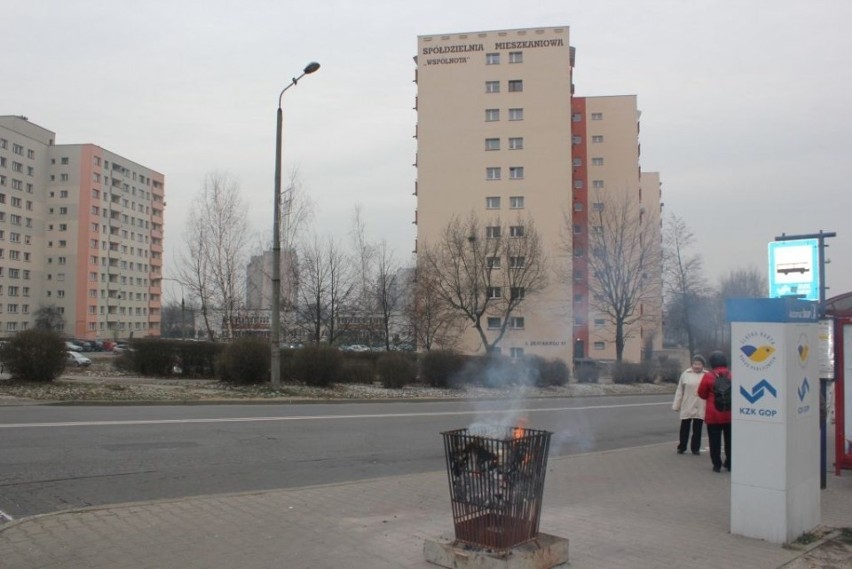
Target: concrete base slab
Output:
[(546, 552)]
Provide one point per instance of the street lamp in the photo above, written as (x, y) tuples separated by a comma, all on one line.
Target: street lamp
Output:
[(275, 332)]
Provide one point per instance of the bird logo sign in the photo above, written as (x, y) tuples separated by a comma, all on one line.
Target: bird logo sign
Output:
[(757, 350), (803, 348)]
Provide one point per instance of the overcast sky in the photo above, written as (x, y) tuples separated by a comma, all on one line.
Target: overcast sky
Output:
[(746, 108)]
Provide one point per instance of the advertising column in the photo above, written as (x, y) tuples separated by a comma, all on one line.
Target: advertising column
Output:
[(775, 478)]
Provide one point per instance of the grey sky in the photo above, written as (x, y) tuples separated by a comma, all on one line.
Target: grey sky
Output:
[(745, 103)]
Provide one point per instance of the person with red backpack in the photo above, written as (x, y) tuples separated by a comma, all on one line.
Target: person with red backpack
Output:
[(715, 388)]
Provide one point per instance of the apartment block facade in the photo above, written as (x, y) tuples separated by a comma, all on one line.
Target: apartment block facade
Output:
[(501, 136), (81, 229)]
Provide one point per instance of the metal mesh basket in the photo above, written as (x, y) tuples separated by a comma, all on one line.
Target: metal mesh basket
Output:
[(496, 485)]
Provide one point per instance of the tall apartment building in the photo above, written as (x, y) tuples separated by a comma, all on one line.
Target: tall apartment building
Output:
[(500, 135), (81, 228)]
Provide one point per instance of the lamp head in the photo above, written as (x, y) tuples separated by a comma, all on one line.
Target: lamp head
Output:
[(311, 67)]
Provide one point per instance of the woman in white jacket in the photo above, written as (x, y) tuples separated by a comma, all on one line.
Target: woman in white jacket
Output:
[(691, 406)]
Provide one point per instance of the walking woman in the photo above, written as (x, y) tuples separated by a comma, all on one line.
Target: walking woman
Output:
[(690, 405)]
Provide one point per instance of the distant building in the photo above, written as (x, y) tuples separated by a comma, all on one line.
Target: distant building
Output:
[(501, 135), (259, 280), (81, 228)]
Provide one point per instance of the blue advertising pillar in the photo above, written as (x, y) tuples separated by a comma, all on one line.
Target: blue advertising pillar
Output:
[(775, 479)]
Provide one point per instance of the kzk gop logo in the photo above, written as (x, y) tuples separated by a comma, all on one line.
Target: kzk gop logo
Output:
[(757, 350)]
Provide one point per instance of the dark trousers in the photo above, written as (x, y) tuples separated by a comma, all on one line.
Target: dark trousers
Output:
[(715, 433), (685, 425)]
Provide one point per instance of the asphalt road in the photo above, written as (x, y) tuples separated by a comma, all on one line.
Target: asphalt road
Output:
[(56, 458)]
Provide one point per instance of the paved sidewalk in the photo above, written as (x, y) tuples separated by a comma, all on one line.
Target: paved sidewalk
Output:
[(642, 507)]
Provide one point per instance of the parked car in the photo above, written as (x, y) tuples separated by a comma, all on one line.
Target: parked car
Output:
[(77, 359), (119, 348), (72, 347)]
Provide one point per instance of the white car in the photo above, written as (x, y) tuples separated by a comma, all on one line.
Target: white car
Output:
[(77, 360), (72, 347)]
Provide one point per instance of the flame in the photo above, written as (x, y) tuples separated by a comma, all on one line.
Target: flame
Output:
[(520, 428)]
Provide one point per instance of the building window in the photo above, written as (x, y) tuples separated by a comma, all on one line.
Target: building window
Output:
[(516, 352), (494, 292), (65, 160), (516, 114), (516, 172), (597, 161), (492, 144), (579, 251), (63, 177), (578, 184), (597, 116), (516, 85), (578, 229), (516, 143), (516, 322), (597, 138), (492, 86), (598, 184), (492, 232), (576, 139), (578, 206), (600, 346), (516, 202), (597, 206), (576, 117), (516, 231), (517, 292), (492, 173), (492, 115), (492, 262), (517, 262), (493, 322), (492, 202), (516, 57), (492, 59)]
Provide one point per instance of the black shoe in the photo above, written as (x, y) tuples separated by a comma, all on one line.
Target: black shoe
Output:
[(696, 452), (680, 451), (717, 469), (728, 467)]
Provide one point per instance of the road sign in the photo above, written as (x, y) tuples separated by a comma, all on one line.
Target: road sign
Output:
[(794, 269)]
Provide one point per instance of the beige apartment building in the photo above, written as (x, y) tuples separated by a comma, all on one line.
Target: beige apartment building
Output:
[(501, 136), (81, 228)]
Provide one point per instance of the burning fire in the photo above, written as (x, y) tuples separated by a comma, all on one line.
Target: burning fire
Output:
[(520, 428)]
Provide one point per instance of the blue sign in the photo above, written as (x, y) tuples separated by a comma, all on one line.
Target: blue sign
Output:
[(758, 391), (794, 269)]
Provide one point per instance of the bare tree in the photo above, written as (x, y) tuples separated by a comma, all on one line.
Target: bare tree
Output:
[(49, 317), (684, 280), (748, 282), (486, 271), (325, 291), (217, 239), (624, 261), (386, 290), (433, 323)]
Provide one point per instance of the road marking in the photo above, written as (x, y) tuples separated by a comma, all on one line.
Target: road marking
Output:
[(319, 417)]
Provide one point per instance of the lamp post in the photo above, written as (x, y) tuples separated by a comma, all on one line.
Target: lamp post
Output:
[(275, 331)]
